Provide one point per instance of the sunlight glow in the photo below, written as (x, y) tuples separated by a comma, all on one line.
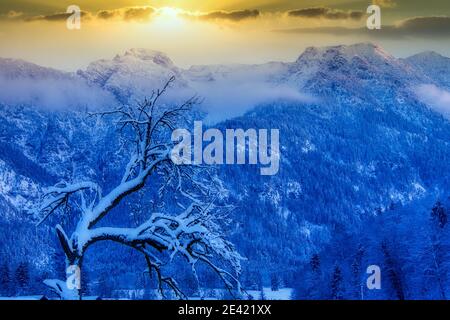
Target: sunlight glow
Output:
[(169, 17), (169, 12)]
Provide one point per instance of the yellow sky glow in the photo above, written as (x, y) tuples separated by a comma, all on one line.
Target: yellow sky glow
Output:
[(179, 28)]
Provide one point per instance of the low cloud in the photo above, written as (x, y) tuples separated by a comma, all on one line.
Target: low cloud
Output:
[(438, 99), (53, 94), (228, 98), (326, 13)]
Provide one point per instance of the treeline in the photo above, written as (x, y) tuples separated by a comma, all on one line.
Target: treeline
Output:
[(411, 245), (20, 279)]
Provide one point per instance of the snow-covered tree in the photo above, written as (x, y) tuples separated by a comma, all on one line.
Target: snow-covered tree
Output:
[(193, 231)]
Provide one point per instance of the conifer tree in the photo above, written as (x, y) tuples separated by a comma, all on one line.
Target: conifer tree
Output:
[(6, 286), (336, 284), (22, 277), (439, 215)]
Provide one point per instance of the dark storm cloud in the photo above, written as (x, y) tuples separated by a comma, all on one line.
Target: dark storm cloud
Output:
[(326, 13)]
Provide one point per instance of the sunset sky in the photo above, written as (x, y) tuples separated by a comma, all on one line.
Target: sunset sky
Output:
[(207, 31)]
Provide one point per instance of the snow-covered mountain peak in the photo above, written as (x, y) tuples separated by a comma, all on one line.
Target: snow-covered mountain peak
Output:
[(368, 51), (344, 65), (146, 55), (134, 74), (426, 55), (16, 68), (434, 65)]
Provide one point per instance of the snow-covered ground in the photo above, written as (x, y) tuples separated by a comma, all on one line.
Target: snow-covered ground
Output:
[(281, 294), (24, 298)]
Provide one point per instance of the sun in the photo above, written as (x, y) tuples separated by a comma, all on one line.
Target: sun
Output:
[(169, 12), (169, 17)]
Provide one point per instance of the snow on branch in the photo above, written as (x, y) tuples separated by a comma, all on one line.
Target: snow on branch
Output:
[(194, 232), (58, 196)]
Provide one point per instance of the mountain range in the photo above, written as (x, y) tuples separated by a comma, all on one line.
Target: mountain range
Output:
[(363, 144)]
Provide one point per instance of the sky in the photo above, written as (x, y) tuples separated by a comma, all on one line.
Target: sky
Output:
[(213, 32)]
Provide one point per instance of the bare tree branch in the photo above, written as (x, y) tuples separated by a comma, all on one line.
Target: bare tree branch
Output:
[(194, 233)]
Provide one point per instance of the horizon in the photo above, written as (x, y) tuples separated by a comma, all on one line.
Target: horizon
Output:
[(220, 64)]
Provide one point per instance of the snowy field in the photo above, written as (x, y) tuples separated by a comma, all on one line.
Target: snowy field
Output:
[(281, 294)]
